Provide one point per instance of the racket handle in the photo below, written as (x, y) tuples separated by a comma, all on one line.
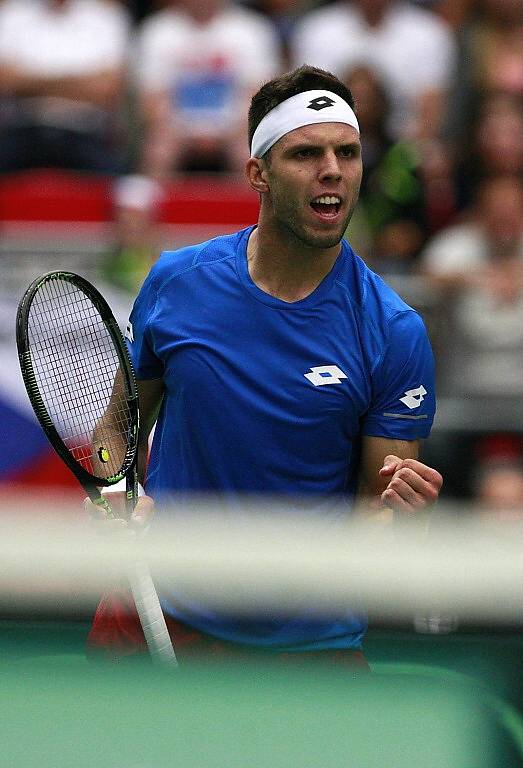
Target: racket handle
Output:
[(151, 615), (145, 595), (144, 592)]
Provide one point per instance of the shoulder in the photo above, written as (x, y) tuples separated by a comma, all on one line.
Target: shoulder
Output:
[(105, 11), (14, 7), (368, 291), (412, 15), (19, 11), (236, 18), (424, 24), (190, 260), (327, 18), (380, 312), (251, 40), (162, 24)]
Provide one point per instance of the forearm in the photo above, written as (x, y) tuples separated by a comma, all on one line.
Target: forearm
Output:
[(109, 447), (109, 438), (99, 88), (150, 395), (374, 452), (143, 455)]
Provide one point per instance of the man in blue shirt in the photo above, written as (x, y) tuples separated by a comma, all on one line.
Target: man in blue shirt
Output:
[(275, 362)]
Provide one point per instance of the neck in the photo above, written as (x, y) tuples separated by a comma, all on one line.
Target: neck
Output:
[(286, 268), (373, 13)]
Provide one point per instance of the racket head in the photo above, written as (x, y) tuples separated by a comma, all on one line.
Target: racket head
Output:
[(76, 369)]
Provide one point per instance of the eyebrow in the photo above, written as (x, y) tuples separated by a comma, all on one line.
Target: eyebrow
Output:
[(315, 145)]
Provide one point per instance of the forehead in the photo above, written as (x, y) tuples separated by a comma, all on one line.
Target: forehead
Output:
[(319, 134)]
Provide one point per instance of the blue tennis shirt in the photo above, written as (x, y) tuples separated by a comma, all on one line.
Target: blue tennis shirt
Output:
[(265, 396)]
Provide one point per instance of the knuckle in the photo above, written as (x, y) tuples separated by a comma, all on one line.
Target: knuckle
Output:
[(396, 484), (431, 493)]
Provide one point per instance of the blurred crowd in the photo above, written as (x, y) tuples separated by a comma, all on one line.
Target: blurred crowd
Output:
[(147, 89)]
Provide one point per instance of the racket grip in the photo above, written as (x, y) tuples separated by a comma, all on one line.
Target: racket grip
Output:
[(98, 498), (151, 615)]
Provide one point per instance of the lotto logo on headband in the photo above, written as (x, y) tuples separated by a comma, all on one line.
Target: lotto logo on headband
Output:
[(305, 108), (321, 102)]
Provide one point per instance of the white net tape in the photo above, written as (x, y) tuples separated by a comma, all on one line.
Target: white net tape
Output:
[(455, 563)]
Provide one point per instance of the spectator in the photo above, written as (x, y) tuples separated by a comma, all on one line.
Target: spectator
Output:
[(490, 69), (479, 266), (495, 145), (284, 15), (137, 204), (499, 490), (412, 48), (388, 228), (199, 62), (498, 478), (494, 46), (61, 83)]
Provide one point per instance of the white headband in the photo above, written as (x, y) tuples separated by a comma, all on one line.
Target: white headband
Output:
[(306, 108)]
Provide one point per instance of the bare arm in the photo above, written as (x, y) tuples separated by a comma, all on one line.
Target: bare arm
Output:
[(101, 88), (107, 434), (150, 396), (391, 476)]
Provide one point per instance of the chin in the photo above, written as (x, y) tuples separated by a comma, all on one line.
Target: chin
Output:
[(325, 240), (312, 236)]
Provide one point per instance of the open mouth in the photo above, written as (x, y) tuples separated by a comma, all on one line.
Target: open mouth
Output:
[(327, 206)]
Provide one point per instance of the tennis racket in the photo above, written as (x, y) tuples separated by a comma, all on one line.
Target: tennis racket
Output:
[(81, 384)]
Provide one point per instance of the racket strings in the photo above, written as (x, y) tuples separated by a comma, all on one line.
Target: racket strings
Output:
[(75, 362)]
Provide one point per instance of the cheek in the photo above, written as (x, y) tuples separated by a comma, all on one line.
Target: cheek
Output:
[(287, 198), (357, 176), (287, 212)]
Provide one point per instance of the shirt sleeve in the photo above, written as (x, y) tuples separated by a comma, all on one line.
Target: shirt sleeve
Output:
[(403, 387), (140, 340)]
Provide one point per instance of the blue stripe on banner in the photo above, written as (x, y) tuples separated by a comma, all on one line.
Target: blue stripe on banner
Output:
[(22, 440)]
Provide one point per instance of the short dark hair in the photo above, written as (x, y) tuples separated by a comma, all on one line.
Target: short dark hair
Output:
[(305, 78)]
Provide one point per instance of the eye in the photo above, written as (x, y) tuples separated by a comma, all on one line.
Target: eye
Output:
[(349, 151), (305, 152)]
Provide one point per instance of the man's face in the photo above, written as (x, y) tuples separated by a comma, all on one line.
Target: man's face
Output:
[(314, 176)]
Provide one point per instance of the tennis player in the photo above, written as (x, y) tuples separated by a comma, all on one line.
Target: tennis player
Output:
[(275, 361)]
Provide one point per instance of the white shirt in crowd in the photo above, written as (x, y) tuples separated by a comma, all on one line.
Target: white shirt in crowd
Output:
[(412, 50), (206, 68)]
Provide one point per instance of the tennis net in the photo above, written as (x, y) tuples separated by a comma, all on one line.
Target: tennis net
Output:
[(444, 598)]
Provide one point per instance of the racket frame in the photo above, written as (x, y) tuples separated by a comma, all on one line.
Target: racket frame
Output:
[(89, 481), (142, 586)]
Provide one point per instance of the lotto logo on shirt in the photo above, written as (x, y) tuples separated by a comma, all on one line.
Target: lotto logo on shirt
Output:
[(129, 332), (414, 397), (325, 374)]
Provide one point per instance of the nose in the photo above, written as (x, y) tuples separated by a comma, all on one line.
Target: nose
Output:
[(330, 167)]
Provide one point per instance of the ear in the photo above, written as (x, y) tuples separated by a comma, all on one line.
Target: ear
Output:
[(256, 172)]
